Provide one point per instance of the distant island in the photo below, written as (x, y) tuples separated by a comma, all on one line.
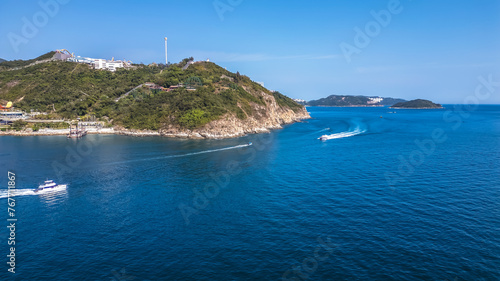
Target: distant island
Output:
[(188, 99), (417, 104), (353, 101)]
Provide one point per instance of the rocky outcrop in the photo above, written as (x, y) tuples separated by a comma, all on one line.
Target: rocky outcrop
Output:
[(262, 120), (229, 126)]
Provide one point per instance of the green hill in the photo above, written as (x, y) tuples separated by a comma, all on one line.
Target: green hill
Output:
[(69, 90), (7, 65), (342, 100), (391, 101), (418, 103)]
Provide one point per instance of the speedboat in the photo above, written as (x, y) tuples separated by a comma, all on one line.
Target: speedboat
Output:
[(323, 137), (250, 143), (50, 185)]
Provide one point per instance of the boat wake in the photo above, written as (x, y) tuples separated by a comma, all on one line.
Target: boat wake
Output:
[(359, 128), (205, 151), (183, 155), (4, 193)]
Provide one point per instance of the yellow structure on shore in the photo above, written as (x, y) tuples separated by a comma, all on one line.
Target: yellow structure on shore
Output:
[(8, 106)]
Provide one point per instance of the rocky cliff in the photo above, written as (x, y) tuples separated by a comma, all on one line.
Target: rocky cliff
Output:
[(188, 99), (271, 116)]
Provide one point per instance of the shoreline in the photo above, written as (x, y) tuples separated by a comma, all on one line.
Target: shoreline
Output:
[(148, 133), (345, 105), (416, 107)]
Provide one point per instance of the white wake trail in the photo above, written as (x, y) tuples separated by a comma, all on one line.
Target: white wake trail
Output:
[(199, 152), (359, 129), (182, 155), (4, 193)]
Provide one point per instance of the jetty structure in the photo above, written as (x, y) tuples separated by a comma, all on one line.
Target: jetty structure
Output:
[(76, 131)]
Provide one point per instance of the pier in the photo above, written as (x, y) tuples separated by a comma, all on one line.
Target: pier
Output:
[(76, 131)]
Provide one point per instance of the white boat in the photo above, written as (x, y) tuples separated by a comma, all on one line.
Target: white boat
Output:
[(50, 185), (324, 137)]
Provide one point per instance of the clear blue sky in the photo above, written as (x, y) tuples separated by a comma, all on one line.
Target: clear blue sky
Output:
[(429, 49)]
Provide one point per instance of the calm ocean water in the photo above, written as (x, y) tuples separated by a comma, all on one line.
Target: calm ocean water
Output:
[(414, 195)]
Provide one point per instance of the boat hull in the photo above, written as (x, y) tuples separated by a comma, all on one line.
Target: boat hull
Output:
[(51, 189)]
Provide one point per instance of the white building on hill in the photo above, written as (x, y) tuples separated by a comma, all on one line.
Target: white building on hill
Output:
[(375, 100), (110, 65)]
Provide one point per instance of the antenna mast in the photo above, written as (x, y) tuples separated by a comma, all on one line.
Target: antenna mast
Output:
[(166, 57)]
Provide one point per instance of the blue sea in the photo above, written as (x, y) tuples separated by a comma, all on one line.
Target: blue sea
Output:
[(391, 195)]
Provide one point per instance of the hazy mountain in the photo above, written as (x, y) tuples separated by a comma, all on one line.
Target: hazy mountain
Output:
[(343, 100), (418, 103)]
